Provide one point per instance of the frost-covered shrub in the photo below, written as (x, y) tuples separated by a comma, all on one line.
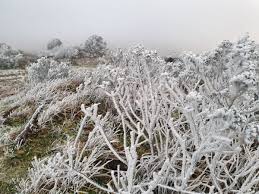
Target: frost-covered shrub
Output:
[(65, 94), (58, 172), (54, 43), (7, 50), (46, 70), (230, 79), (189, 126), (6, 63), (65, 53), (61, 52), (95, 46), (9, 57), (69, 170)]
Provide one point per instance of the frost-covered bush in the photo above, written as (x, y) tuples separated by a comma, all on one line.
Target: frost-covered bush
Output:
[(189, 126), (66, 53), (46, 70), (229, 77), (61, 52), (95, 46), (70, 169), (65, 94), (54, 43), (6, 63), (9, 58)]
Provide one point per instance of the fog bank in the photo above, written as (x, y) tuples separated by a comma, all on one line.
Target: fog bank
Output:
[(166, 25)]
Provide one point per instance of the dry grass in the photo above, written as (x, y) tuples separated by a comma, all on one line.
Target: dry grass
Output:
[(11, 81)]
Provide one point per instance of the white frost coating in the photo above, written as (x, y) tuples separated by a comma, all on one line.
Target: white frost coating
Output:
[(185, 127), (95, 46), (9, 57), (46, 69)]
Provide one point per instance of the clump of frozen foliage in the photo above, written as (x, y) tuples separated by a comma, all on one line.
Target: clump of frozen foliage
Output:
[(47, 69), (65, 53), (189, 126), (60, 53), (57, 50), (70, 170), (9, 58), (95, 46)]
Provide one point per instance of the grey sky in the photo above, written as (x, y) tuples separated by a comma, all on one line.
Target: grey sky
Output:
[(165, 25)]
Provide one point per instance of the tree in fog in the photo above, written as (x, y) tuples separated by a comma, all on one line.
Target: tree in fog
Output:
[(54, 43), (95, 46)]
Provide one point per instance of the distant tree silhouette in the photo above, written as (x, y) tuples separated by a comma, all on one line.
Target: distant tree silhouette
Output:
[(54, 43)]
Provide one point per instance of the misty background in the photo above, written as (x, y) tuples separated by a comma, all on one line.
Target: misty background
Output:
[(165, 25)]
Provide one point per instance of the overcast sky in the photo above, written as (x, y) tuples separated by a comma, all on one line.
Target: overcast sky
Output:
[(165, 25)]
